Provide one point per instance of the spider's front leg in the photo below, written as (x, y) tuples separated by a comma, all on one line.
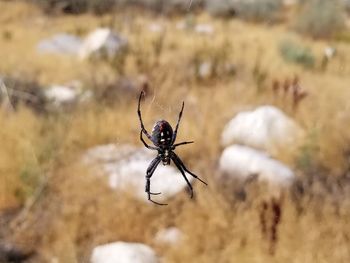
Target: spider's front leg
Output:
[(150, 170), (145, 144), (140, 117), (178, 122)]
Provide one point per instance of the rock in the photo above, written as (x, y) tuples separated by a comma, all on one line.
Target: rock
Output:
[(266, 128), (181, 25), (241, 162), (60, 44), (102, 42), (169, 236), (126, 165), (61, 95), (156, 28), (329, 52), (123, 252), (205, 69), (206, 29)]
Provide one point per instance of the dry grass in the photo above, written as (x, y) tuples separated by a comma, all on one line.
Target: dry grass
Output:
[(76, 211)]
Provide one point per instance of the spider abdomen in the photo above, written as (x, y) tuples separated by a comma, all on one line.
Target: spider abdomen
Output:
[(162, 133)]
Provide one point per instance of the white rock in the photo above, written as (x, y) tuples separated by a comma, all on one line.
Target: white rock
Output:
[(169, 236), (125, 167), (205, 69), (181, 25), (329, 52), (60, 44), (204, 29), (123, 252), (266, 128), (101, 41), (242, 162), (154, 27), (61, 95)]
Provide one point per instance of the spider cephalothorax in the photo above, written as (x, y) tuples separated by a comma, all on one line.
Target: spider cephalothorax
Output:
[(163, 137)]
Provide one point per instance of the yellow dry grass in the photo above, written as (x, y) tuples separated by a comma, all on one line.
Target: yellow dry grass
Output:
[(76, 210)]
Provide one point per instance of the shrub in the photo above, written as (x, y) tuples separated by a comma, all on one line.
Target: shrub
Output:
[(252, 10), (22, 91), (220, 7), (76, 6), (105, 6), (259, 10), (101, 6), (174, 5), (346, 4), (320, 18), (296, 53)]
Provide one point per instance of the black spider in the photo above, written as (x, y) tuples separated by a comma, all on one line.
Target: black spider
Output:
[(163, 139)]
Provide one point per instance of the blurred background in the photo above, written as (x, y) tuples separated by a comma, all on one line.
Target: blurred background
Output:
[(266, 86)]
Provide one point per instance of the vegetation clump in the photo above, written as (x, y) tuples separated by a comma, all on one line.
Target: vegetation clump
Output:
[(321, 18)]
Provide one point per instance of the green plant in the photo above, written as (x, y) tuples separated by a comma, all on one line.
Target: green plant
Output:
[(7, 35), (29, 175), (296, 53), (321, 18), (259, 75), (306, 159)]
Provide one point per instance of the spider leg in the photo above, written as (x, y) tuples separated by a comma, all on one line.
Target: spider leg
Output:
[(178, 160), (150, 170), (140, 118), (181, 143), (145, 144), (178, 122), (178, 165)]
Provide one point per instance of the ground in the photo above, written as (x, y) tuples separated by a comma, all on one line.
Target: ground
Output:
[(60, 210)]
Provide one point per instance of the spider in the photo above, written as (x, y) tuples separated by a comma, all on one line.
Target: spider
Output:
[(163, 137)]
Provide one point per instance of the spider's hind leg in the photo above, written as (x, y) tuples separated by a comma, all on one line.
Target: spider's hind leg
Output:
[(181, 143), (179, 166), (178, 160), (150, 170)]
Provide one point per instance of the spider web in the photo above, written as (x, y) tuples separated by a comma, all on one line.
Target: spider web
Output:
[(169, 110)]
